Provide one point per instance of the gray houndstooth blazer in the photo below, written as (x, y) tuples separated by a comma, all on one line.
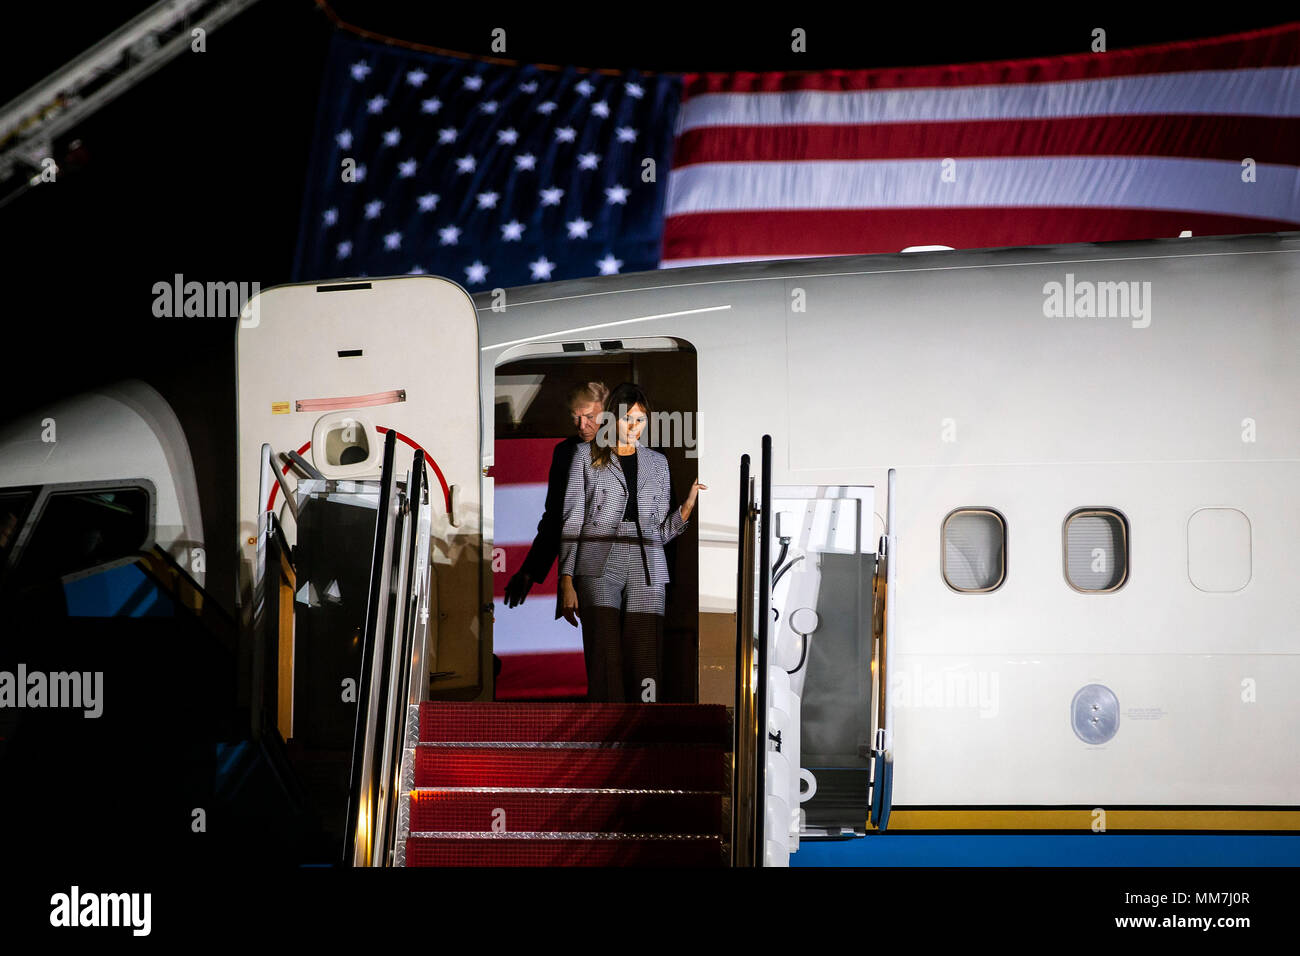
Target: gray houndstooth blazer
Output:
[(594, 502)]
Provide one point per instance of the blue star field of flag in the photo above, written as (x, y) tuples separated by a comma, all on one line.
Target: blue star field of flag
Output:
[(491, 175)]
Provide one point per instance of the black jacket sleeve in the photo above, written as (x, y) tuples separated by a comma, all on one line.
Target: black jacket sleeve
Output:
[(546, 546)]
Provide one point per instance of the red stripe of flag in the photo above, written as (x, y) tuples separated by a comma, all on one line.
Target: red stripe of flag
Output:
[(1263, 138), (1272, 46), (514, 560), (522, 461), (551, 674), (831, 232)]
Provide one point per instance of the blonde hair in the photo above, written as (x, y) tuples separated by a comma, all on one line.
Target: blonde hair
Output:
[(585, 392)]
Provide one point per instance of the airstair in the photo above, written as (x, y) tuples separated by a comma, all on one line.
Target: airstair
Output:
[(473, 782), (570, 784)]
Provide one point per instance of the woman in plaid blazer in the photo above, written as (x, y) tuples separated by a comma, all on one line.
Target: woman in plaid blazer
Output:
[(612, 563)]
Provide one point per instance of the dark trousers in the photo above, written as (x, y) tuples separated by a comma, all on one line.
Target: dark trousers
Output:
[(622, 629)]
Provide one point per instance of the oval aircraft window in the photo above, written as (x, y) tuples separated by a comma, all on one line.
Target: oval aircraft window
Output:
[(1096, 550), (974, 550)]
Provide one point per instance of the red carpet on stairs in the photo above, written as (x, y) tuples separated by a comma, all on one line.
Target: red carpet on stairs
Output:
[(571, 784)]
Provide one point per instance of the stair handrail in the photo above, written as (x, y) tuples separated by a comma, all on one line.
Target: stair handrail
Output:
[(753, 624), (393, 682), (763, 610), (364, 786), (882, 765), (391, 734), (410, 679), (264, 626), (743, 729)]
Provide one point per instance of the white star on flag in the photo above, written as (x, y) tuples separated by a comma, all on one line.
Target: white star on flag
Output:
[(504, 143)]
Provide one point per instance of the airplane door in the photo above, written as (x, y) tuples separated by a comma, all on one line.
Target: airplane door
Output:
[(823, 562), (325, 372)]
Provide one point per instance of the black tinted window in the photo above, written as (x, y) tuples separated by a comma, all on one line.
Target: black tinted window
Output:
[(78, 530)]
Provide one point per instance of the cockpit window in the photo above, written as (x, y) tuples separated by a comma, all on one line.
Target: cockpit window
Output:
[(84, 529)]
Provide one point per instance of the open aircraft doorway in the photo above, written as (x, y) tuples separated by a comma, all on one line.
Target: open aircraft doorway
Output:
[(540, 656)]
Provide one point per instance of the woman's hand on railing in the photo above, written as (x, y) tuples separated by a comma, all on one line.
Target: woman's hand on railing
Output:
[(568, 599)]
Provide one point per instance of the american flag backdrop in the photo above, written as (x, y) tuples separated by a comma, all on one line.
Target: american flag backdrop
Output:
[(498, 175), (540, 656)]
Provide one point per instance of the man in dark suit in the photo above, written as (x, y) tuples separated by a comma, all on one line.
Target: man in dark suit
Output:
[(586, 402)]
